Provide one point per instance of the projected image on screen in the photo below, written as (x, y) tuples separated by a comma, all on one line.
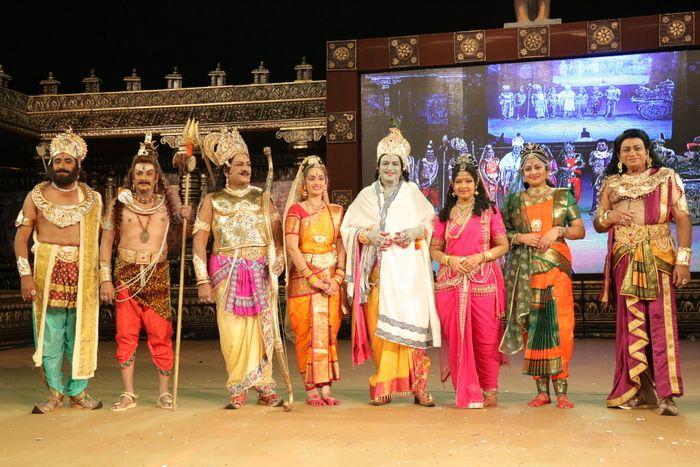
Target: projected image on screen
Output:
[(575, 107), (557, 100)]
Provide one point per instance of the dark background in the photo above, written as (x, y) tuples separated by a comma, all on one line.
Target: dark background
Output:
[(70, 38)]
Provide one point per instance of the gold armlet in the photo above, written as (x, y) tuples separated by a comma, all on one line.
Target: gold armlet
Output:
[(200, 269), (23, 266), (105, 274), (200, 225), (23, 220)]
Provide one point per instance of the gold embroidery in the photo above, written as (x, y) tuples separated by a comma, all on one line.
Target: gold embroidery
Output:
[(322, 260), (238, 220), (635, 234), (638, 186), (59, 214), (68, 254), (670, 336)]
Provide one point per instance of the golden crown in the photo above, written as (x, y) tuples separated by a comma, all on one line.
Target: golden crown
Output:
[(463, 160), (395, 144), (534, 150), (68, 143), (222, 146)]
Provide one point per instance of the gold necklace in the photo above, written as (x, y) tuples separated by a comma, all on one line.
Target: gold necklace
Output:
[(464, 214), (144, 235), (237, 192), (144, 200)]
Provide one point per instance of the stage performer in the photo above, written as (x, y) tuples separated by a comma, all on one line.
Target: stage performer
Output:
[(638, 201), (540, 301), (489, 172), (138, 222), (63, 214), (598, 160), (470, 293), (572, 165), (386, 232), (239, 282), (316, 261)]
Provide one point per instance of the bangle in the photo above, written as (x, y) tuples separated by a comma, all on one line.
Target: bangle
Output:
[(105, 274), (683, 256), (486, 256), (23, 266), (202, 281), (339, 272), (514, 240), (445, 259), (563, 231), (312, 279), (200, 269), (603, 219), (337, 279)]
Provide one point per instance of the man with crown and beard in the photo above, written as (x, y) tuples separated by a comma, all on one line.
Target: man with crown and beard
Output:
[(237, 279), (138, 222), (63, 216), (386, 232)]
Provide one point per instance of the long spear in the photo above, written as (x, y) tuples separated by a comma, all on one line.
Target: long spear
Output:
[(280, 349), (185, 163)]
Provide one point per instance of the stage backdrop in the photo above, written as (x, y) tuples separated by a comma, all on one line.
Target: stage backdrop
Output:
[(575, 107)]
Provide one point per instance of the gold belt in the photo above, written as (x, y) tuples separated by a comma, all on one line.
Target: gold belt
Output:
[(68, 254), (140, 257), (246, 252), (322, 260), (635, 234)]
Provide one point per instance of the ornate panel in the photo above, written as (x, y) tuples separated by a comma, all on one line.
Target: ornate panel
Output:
[(342, 197), (341, 127), (403, 51), (341, 55), (676, 29), (470, 46), (533, 42), (604, 36)]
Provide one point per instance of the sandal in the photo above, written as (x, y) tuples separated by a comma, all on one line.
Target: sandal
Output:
[(329, 399), (271, 400), (130, 396), (85, 401), (667, 406), (165, 401), (424, 399), (490, 399), (236, 402), (54, 401), (563, 402)]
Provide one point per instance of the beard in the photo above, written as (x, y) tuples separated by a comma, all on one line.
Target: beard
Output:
[(63, 178)]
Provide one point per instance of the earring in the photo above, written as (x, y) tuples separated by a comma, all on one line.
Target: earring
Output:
[(648, 161), (476, 193), (304, 194), (619, 167), (454, 195)]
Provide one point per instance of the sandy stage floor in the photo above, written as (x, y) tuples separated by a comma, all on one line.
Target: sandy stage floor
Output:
[(200, 432)]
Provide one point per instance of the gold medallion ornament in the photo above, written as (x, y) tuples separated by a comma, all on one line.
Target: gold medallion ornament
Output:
[(603, 35), (470, 46), (533, 42), (340, 55), (68, 143), (676, 29), (403, 51), (341, 127), (536, 225), (63, 215)]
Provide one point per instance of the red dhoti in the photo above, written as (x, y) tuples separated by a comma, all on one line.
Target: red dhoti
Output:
[(149, 309)]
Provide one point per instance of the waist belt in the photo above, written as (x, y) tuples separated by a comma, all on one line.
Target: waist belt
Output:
[(140, 257)]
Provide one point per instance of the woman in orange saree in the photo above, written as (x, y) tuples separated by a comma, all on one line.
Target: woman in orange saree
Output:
[(315, 274), (539, 292)]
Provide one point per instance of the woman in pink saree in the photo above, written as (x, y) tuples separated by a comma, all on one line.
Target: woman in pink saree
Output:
[(469, 236)]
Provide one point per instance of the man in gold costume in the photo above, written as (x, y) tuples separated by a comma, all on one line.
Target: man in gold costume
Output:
[(63, 215), (237, 278)]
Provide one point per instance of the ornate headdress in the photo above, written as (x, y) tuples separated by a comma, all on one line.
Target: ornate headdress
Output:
[(534, 150), (462, 161), (147, 149), (222, 146), (68, 143), (394, 144)]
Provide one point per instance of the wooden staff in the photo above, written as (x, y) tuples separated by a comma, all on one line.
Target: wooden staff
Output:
[(185, 163)]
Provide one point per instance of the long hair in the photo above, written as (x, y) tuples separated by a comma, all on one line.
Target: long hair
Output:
[(404, 170), (482, 203), (612, 168), (128, 184)]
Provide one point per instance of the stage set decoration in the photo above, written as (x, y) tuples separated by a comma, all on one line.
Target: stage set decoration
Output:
[(571, 87)]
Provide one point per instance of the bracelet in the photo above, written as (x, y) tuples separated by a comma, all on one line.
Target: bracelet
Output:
[(202, 281), (312, 279), (364, 239), (603, 219), (339, 272), (23, 266), (682, 257), (337, 279), (486, 256), (514, 240), (200, 269), (445, 259), (563, 231), (105, 274)]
